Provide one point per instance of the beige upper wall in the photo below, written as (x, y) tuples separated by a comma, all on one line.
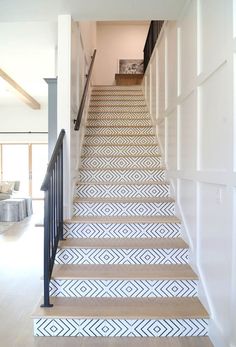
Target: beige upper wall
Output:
[(117, 41)]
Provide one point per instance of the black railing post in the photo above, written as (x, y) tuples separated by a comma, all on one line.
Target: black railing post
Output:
[(153, 33), (46, 251), (53, 212)]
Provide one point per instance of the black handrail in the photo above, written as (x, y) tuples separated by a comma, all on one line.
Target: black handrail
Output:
[(82, 103), (53, 212), (153, 33)]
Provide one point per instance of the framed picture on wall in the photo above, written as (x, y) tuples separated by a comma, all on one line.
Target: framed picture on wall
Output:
[(130, 66)]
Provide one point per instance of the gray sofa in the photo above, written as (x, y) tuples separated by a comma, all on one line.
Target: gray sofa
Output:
[(12, 192)]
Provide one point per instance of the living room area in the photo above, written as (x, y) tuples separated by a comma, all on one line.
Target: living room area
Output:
[(22, 167)]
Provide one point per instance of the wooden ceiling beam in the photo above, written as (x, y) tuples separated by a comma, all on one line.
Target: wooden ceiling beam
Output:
[(24, 96)]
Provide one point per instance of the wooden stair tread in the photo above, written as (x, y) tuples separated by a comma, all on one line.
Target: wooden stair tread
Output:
[(124, 220), (196, 341), (124, 308), (125, 200), (124, 243), (123, 272)]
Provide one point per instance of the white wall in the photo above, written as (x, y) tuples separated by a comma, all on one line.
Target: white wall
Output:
[(117, 41), (27, 54), (190, 85), (71, 72)]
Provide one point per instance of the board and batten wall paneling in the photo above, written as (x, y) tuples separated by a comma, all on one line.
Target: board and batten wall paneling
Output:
[(194, 80)]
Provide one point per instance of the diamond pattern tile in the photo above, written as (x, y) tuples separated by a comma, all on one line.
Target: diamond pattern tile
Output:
[(120, 327), (114, 108), (119, 102), (121, 150), (120, 162), (123, 209), (123, 289), (118, 115), (120, 140), (116, 97), (119, 122), (128, 230), (121, 256), (119, 131), (113, 176), (122, 191)]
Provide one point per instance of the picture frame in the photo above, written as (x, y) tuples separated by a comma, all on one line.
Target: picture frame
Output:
[(130, 66)]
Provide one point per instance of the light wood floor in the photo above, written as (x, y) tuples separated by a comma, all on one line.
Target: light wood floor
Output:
[(21, 289)]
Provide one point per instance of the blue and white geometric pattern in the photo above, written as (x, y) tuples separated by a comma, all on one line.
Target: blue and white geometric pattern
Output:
[(121, 327), (120, 162), (120, 140), (99, 131), (123, 209), (123, 288), (119, 122), (121, 230), (122, 190), (122, 256), (121, 175), (121, 150)]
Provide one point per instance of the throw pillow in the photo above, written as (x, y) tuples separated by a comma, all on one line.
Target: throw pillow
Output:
[(6, 187)]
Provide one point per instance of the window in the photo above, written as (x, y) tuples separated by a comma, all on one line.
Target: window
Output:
[(26, 163)]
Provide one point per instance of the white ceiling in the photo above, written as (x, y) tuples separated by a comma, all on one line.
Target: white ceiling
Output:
[(28, 33), (41, 10), (27, 55)]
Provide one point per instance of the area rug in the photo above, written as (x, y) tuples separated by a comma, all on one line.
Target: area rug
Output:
[(4, 226)]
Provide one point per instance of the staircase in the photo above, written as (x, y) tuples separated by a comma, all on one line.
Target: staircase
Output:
[(122, 269)]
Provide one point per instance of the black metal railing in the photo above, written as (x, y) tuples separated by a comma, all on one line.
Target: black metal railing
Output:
[(53, 212), (153, 33), (84, 96)]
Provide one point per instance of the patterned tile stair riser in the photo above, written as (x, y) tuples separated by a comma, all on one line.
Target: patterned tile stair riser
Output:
[(115, 97), (117, 108), (122, 190), (116, 230), (118, 122), (121, 327), (122, 93), (121, 163), (124, 209), (123, 151), (124, 288), (119, 102), (120, 140), (136, 116), (121, 256), (124, 175), (119, 131)]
